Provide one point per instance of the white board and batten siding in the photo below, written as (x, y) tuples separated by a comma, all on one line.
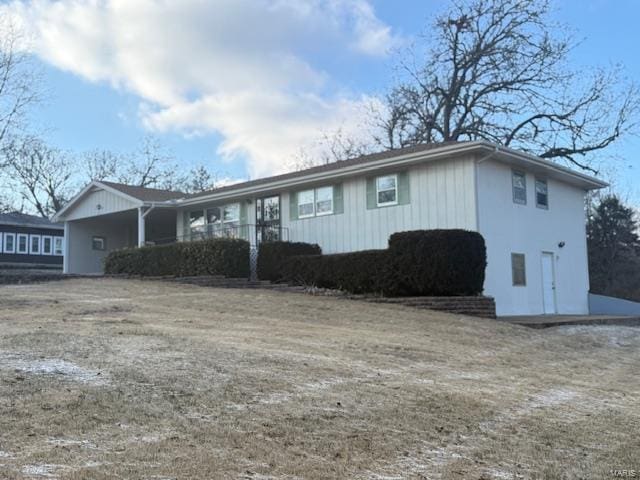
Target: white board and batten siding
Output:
[(441, 195), (553, 241), (108, 202)]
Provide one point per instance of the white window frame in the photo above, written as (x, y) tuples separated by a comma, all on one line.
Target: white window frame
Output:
[(26, 243), (315, 202), (535, 190), (55, 246), (395, 189), (35, 251), (13, 242), (224, 213), (515, 173), (312, 203), (44, 239)]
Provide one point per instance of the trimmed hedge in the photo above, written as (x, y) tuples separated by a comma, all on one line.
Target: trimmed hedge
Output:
[(219, 256), (437, 263), (417, 263), (356, 272), (271, 257)]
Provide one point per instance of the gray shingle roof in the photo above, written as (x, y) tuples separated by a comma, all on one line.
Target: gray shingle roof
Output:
[(145, 194), (24, 220), (328, 167)]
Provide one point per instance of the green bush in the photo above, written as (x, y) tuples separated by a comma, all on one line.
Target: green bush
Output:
[(220, 256), (420, 263), (271, 257), (355, 272), (436, 262)]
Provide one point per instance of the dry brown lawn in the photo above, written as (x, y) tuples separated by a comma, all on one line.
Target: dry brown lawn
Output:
[(107, 378)]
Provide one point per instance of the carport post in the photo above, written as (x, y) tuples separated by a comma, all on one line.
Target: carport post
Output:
[(66, 242), (141, 238)]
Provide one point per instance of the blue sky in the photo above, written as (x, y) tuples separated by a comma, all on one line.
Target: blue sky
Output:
[(311, 74)]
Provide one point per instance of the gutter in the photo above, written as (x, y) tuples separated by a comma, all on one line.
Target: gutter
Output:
[(340, 173)]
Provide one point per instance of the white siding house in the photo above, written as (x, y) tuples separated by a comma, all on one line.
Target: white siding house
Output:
[(530, 212)]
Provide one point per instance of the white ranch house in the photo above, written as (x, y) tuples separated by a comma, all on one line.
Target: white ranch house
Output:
[(531, 213)]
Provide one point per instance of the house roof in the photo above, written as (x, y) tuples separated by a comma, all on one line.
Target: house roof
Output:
[(390, 159), (328, 167), (363, 165), (24, 220), (145, 194)]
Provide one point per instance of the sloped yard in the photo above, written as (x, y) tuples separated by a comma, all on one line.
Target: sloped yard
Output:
[(105, 378)]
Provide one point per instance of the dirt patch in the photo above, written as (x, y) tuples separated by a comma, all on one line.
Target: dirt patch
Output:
[(109, 378)]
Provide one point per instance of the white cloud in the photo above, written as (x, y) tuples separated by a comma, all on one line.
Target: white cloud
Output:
[(240, 68)]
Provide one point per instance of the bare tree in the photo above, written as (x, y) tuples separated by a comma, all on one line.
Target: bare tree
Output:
[(152, 166), (18, 80), (199, 179), (332, 147), (101, 165), (498, 70), (42, 176)]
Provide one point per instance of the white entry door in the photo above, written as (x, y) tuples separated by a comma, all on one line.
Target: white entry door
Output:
[(548, 284)]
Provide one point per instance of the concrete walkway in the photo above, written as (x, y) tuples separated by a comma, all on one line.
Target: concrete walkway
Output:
[(546, 321)]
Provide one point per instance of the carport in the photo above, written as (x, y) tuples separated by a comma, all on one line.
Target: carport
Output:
[(107, 216)]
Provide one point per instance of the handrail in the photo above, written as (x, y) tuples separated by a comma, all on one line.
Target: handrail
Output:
[(251, 232)]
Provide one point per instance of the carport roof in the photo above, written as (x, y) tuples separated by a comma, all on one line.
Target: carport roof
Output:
[(145, 194)]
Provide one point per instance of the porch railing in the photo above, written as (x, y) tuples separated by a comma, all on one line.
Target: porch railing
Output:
[(253, 233)]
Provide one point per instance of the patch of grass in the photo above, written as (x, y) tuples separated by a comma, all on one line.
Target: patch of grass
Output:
[(114, 378)]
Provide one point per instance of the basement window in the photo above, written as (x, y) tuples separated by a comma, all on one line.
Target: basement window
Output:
[(518, 272)]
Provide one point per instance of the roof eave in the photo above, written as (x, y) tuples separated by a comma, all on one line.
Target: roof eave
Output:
[(570, 176), (339, 173)]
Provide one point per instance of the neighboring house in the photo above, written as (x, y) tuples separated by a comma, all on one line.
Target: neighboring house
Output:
[(29, 241), (530, 211)]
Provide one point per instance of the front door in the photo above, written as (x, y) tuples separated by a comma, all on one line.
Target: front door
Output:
[(268, 219), (548, 284)]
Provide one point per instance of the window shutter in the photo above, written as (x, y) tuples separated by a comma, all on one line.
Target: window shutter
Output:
[(371, 193), (338, 202), (403, 188), (293, 205)]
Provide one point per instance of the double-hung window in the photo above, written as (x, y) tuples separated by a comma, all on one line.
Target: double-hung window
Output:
[(47, 245), (231, 213), (9, 243), (58, 246), (34, 244), (387, 190), (519, 183), (542, 193), (315, 202), (306, 201), (324, 201), (213, 216), (196, 220), (23, 243)]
